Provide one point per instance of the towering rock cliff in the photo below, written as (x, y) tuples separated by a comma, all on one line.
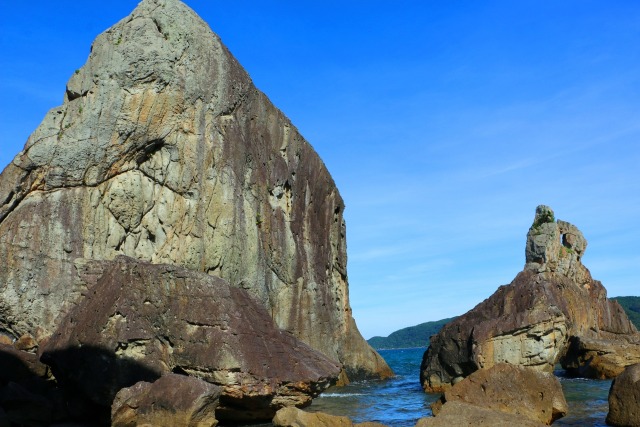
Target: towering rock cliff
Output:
[(164, 151), (552, 312)]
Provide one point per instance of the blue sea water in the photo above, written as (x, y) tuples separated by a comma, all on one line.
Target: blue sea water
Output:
[(400, 401)]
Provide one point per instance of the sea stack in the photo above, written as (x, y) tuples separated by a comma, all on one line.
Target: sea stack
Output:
[(165, 152), (552, 312)]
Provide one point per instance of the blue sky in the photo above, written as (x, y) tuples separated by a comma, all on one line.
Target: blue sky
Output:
[(444, 124)]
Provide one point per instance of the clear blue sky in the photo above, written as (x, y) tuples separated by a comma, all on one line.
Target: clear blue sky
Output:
[(444, 124)]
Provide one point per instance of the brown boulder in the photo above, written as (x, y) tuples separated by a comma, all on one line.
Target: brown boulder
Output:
[(460, 414), (294, 417), (602, 358), (624, 398), (532, 321), (139, 321), (172, 400), (511, 389)]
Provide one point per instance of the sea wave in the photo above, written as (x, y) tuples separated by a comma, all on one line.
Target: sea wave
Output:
[(342, 394)]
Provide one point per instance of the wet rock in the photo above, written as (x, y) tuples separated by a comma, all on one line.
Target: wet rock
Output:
[(624, 398), (165, 151), (140, 321), (532, 321), (511, 389), (172, 400)]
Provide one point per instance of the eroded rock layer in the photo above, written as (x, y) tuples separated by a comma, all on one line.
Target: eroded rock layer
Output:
[(539, 318), (165, 151)]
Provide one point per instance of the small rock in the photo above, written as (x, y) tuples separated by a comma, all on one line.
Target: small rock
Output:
[(16, 365), (294, 417), (26, 343), (174, 400), (460, 414), (510, 389), (624, 398)]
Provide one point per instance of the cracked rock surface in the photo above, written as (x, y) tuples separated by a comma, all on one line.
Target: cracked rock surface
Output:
[(164, 151), (539, 319), (140, 321)]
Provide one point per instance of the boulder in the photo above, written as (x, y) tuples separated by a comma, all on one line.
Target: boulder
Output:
[(460, 414), (624, 398), (532, 322), (511, 389), (139, 321), (17, 365), (603, 357), (294, 417), (172, 400), (165, 151)]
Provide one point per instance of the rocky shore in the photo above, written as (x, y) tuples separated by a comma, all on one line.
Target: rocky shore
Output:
[(174, 253)]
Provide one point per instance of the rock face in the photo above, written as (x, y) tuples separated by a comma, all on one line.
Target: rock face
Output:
[(532, 322), (139, 321), (173, 400), (511, 389), (164, 151), (624, 398)]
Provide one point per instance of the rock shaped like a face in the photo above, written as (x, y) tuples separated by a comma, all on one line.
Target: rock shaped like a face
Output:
[(556, 247), (165, 151), (534, 320)]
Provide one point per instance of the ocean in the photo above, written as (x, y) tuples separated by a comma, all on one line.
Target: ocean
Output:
[(400, 401)]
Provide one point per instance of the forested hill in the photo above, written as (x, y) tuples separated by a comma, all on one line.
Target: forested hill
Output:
[(413, 336), (418, 336), (632, 306)]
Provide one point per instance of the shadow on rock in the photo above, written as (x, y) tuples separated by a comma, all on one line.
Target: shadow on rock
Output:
[(85, 380), (95, 372), (30, 396)]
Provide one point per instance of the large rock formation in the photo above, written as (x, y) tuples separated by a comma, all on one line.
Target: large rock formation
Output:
[(532, 322), (165, 151)]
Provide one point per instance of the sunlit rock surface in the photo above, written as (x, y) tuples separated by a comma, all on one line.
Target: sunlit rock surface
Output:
[(164, 151), (532, 322)]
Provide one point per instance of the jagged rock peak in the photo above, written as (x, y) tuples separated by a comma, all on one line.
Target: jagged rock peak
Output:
[(555, 247)]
